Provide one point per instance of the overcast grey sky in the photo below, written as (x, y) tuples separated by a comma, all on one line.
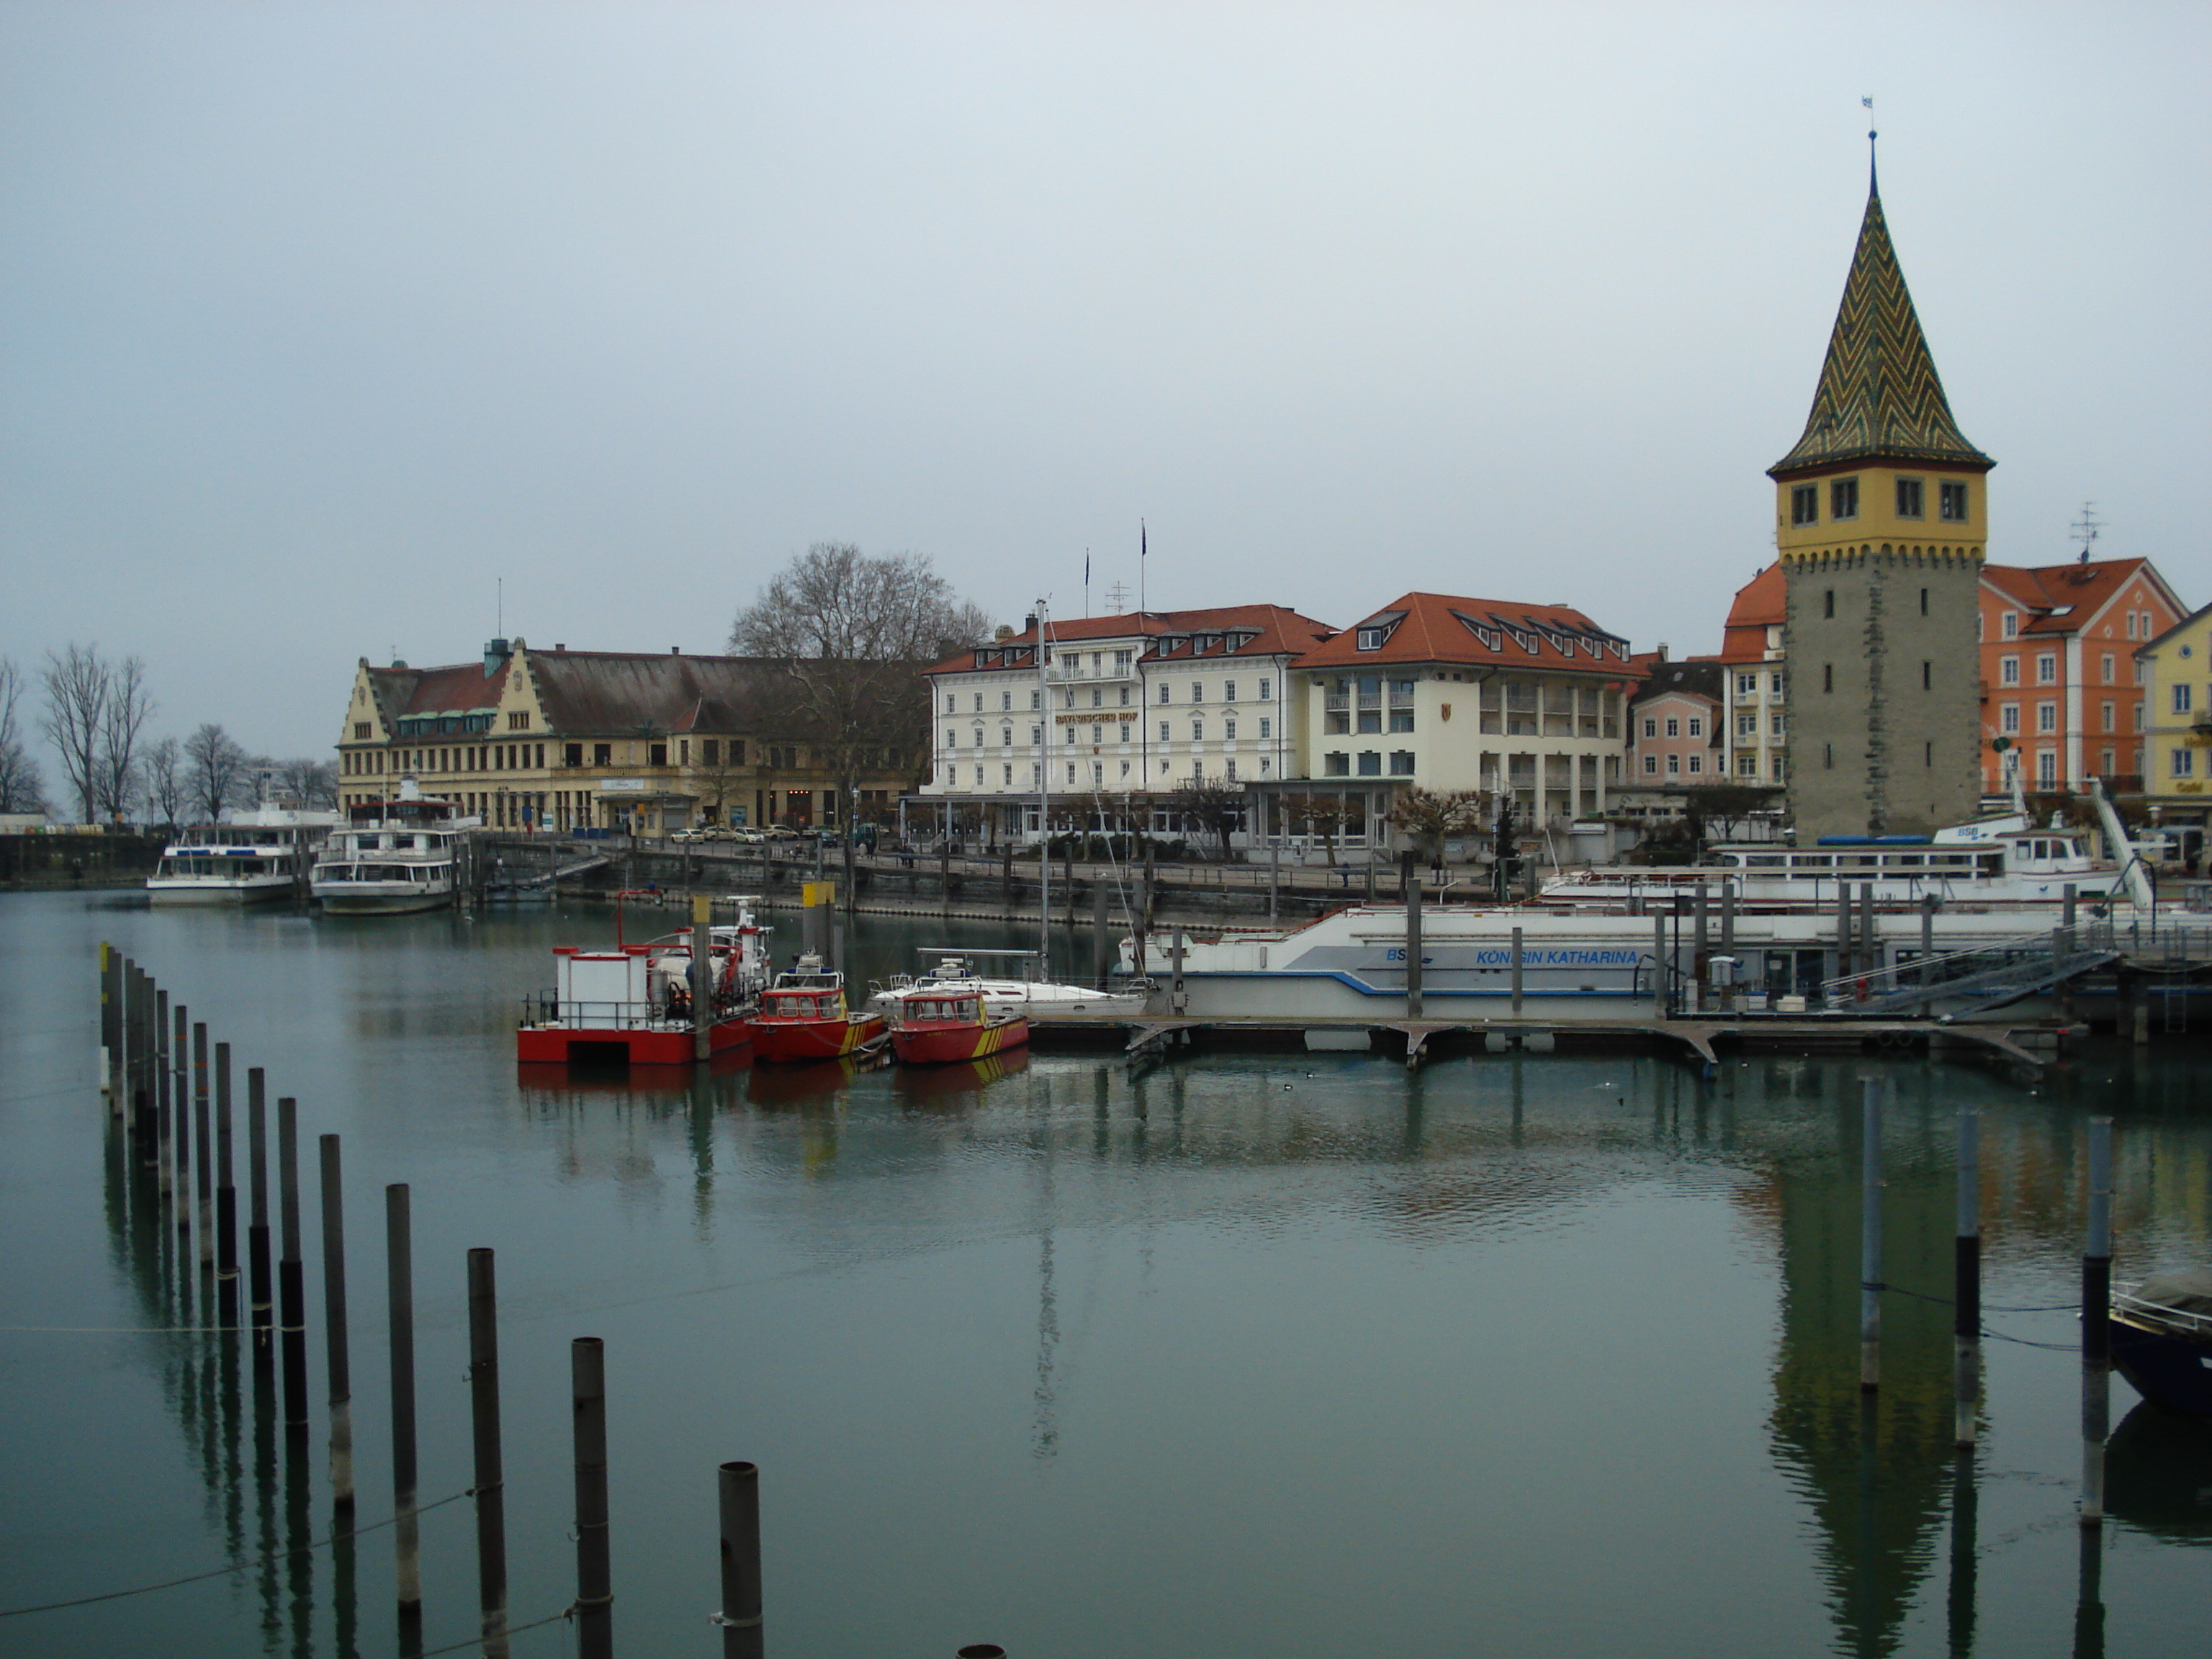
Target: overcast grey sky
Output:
[(315, 320)]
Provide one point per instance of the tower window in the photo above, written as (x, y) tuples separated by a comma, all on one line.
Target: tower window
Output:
[(1828, 755), (1924, 601), (1951, 503), (1928, 754), (1927, 677), (1827, 677), (1843, 499), (1828, 603), (1911, 494), (1805, 504)]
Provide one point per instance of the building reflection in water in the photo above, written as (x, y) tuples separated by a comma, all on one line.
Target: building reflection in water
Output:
[(1876, 1473)]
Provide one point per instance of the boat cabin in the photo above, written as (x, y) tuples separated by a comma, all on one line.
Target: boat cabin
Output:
[(803, 1002), (964, 1009)]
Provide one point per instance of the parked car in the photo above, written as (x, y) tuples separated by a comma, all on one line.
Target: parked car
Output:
[(688, 835), (745, 837), (782, 832)]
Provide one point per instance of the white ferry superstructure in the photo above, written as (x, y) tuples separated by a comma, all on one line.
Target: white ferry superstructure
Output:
[(392, 857)]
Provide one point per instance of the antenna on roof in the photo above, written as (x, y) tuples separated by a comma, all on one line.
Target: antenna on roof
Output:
[(2085, 528), (1867, 104), (1117, 597), (499, 608)]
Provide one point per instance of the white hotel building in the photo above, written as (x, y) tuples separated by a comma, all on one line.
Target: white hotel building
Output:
[(1126, 711)]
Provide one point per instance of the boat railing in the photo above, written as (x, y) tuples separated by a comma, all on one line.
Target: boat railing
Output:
[(2177, 1320), (550, 1008)]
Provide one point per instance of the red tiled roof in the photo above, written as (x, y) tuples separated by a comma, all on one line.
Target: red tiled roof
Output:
[(1272, 629), (2062, 598), (1442, 628), (464, 687), (1760, 604)]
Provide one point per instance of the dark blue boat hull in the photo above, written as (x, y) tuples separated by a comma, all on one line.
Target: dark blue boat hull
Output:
[(2173, 1370)]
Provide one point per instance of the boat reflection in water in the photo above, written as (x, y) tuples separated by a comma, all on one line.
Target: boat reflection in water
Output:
[(951, 1087), (2157, 1474)]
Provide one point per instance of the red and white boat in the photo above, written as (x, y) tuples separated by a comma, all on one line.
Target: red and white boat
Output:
[(634, 1003), (803, 1016), (952, 1026)]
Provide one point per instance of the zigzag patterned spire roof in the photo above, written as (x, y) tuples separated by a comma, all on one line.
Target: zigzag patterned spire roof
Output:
[(1879, 394)]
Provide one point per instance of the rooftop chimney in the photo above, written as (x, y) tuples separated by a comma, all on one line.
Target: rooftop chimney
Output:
[(494, 655), (675, 650), (1662, 650)]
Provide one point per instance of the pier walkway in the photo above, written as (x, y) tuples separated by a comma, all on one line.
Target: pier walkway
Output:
[(1147, 1039)]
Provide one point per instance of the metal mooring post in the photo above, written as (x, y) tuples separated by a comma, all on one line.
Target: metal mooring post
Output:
[(1870, 1233), (2096, 1323), (337, 1359), (256, 1226), (291, 1272), (407, 1545), (595, 1617), (491, 1481), (1966, 1284), (740, 1615), (702, 977)]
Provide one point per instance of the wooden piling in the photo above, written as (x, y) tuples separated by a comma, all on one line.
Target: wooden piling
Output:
[(1178, 998), (490, 1482), (2096, 1324), (163, 1172), (225, 1199), (703, 976), (1728, 918), (203, 1165), (1517, 968), (595, 1635), (1659, 967), (256, 1224), (1409, 877), (1869, 943), (740, 1615), (111, 1024), (400, 1279), (180, 1120), (1870, 1233), (1845, 964), (291, 1272), (1966, 1285), (336, 1359)]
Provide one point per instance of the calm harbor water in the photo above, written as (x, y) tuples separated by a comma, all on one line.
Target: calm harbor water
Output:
[(1294, 1355)]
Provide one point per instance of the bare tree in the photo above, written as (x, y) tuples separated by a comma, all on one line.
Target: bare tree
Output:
[(1213, 805), (1429, 818), (21, 787), (122, 722), (216, 768), (311, 783), (854, 633), (76, 684), (162, 775), (1325, 815)]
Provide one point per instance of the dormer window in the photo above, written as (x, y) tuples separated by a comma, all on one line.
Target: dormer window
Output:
[(1370, 639)]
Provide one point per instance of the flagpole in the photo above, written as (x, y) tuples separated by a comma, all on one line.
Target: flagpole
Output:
[(1141, 551)]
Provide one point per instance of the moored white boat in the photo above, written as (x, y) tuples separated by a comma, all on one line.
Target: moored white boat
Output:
[(255, 858), (392, 857), (1002, 997), (1580, 965)]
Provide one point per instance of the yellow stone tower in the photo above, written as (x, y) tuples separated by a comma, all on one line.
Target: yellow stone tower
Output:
[(1881, 517)]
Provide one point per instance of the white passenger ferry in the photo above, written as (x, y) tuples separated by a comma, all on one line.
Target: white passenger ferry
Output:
[(392, 857), (256, 858), (1580, 965)]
